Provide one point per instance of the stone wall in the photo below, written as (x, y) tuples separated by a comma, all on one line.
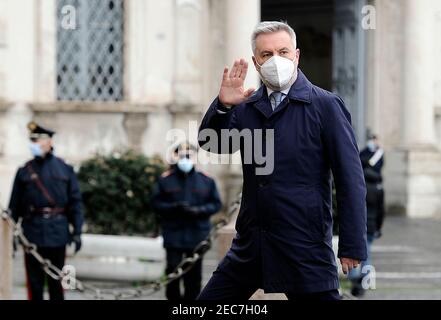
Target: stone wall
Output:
[(400, 106), (437, 66), (3, 46)]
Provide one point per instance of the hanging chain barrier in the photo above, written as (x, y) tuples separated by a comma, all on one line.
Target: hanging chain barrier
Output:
[(145, 290)]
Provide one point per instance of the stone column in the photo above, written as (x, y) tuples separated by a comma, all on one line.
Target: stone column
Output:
[(21, 57), (45, 51), (421, 158), (242, 17), (3, 46), (149, 51), (19, 72), (189, 60), (418, 95), (5, 261), (240, 20)]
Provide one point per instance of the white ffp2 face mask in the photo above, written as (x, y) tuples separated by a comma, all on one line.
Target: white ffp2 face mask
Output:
[(277, 72)]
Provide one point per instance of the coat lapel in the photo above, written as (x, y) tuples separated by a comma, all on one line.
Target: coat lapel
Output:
[(261, 102)]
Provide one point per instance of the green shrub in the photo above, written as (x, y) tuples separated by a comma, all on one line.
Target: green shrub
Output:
[(116, 192)]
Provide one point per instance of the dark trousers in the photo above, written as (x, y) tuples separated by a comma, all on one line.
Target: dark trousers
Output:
[(192, 279), (35, 275), (222, 287)]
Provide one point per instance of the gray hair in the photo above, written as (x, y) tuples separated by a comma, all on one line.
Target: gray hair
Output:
[(271, 27)]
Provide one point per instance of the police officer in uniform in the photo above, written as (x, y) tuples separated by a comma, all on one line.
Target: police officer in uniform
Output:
[(372, 160), (47, 198), (184, 199)]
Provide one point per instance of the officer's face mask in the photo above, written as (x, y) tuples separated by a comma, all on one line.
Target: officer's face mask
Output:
[(277, 73), (36, 149), (371, 145), (185, 164)]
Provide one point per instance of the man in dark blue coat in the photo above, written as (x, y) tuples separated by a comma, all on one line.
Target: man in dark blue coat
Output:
[(284, 228), (185, 199), (47, 197)]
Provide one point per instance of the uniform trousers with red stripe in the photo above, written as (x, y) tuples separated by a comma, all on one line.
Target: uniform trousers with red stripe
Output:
[(36, 277)]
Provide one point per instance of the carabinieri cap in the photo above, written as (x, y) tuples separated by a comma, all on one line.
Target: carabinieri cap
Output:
[(36, 131)]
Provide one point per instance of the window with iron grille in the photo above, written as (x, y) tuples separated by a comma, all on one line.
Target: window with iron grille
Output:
[(90, 50)]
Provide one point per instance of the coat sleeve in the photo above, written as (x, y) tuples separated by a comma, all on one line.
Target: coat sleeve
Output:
[(75, 210), (16, 201), (217, 122), (343, 155), (213, 205)]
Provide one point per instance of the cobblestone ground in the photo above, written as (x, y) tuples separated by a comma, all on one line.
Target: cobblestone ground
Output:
[(407, 260)]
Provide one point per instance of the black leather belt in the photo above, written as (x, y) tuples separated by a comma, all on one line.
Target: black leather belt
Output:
[(48, 211)]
